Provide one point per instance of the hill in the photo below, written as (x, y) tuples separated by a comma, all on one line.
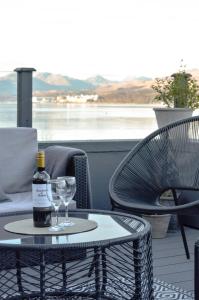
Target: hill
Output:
[(56, 82), (135, 91), (98, 80), (50, 83), (8, 85), (131, 90)]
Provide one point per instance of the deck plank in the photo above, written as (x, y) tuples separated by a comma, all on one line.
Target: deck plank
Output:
[(169, 261)]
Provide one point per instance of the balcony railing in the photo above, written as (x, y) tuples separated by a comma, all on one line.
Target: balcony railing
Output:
[(60, 116), (24, 96), (8, 99)]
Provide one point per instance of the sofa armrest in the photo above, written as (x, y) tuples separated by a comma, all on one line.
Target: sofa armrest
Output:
[(82, 174), (65, 161)]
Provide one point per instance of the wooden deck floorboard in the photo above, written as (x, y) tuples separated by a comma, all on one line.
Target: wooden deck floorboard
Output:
[(169, 260)]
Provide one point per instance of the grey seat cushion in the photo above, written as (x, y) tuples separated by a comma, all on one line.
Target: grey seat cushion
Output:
[(190, 220), (17, 158), (3, 195), (21, 202)]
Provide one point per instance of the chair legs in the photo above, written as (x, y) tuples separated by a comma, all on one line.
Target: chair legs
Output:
[(181, 227), (196, 270), (184, 237), (182, 231)]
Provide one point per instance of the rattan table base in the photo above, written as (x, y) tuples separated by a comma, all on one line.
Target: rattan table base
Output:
[(112, 262)]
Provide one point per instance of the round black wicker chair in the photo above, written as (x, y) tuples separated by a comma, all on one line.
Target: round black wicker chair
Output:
[(167, 159)]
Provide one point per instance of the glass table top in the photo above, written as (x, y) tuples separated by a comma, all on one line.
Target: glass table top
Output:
[(109, 226)]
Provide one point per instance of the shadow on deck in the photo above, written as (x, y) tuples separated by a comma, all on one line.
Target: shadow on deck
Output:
[(170, 262)]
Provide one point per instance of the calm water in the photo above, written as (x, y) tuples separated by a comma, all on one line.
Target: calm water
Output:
[(85, 121)]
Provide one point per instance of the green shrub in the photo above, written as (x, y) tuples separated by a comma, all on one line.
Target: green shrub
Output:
[(178, 90)]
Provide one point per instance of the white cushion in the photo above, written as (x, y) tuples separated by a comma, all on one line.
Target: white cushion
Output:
[(17, 158), (22, 202)]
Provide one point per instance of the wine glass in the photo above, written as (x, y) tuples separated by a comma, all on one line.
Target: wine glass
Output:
[(66, 192), (55, 200)]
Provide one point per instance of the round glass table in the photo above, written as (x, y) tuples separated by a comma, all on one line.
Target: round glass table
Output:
[(113, 261)]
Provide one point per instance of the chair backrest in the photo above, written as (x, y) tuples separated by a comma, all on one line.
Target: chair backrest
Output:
[(17, 158), (168, 158)]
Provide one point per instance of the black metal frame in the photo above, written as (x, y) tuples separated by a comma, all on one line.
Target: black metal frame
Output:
[(196, 270), (164, 160), (122, 267)]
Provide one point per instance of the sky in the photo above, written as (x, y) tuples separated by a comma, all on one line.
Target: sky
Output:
[(117, 39)]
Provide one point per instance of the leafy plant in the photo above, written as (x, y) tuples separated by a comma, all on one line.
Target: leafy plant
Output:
[(178, 90)]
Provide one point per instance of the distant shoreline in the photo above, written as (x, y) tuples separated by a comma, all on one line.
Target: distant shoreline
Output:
[(111, 104)]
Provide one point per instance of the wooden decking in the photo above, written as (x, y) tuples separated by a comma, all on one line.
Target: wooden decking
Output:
[(170, 262)]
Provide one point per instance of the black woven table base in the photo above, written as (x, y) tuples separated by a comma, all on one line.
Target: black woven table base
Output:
[(59, 298), (162, 290), (68, 298), (104, 270)]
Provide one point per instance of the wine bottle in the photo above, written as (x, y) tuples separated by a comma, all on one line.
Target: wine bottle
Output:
[(40, 194)]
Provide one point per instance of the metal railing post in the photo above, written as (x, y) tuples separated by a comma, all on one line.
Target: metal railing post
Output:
[(24, 96)]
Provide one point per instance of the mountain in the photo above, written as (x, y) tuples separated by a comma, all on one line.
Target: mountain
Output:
[(135, 90), (142, 78), (52, 83), (56, 82), (195, 74), (98, 80), (54, 79), (8, 84)]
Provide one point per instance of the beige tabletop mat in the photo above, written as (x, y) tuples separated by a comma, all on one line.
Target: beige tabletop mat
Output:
[(26, 227)]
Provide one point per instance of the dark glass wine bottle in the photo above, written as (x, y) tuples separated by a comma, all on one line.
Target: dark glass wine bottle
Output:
[(41, 203)]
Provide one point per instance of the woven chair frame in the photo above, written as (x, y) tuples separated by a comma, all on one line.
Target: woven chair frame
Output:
[(164, 160)]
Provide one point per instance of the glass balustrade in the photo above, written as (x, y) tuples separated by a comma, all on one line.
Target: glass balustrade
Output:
[(8, 99), (62, 113)]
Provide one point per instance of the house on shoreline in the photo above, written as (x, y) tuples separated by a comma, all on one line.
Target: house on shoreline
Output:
[(65, 99)]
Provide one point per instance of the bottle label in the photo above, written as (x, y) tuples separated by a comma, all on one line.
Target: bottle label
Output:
[(41, 195)]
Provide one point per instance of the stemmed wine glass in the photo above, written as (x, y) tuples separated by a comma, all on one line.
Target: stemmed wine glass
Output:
[(56, 201), (66, 192)]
